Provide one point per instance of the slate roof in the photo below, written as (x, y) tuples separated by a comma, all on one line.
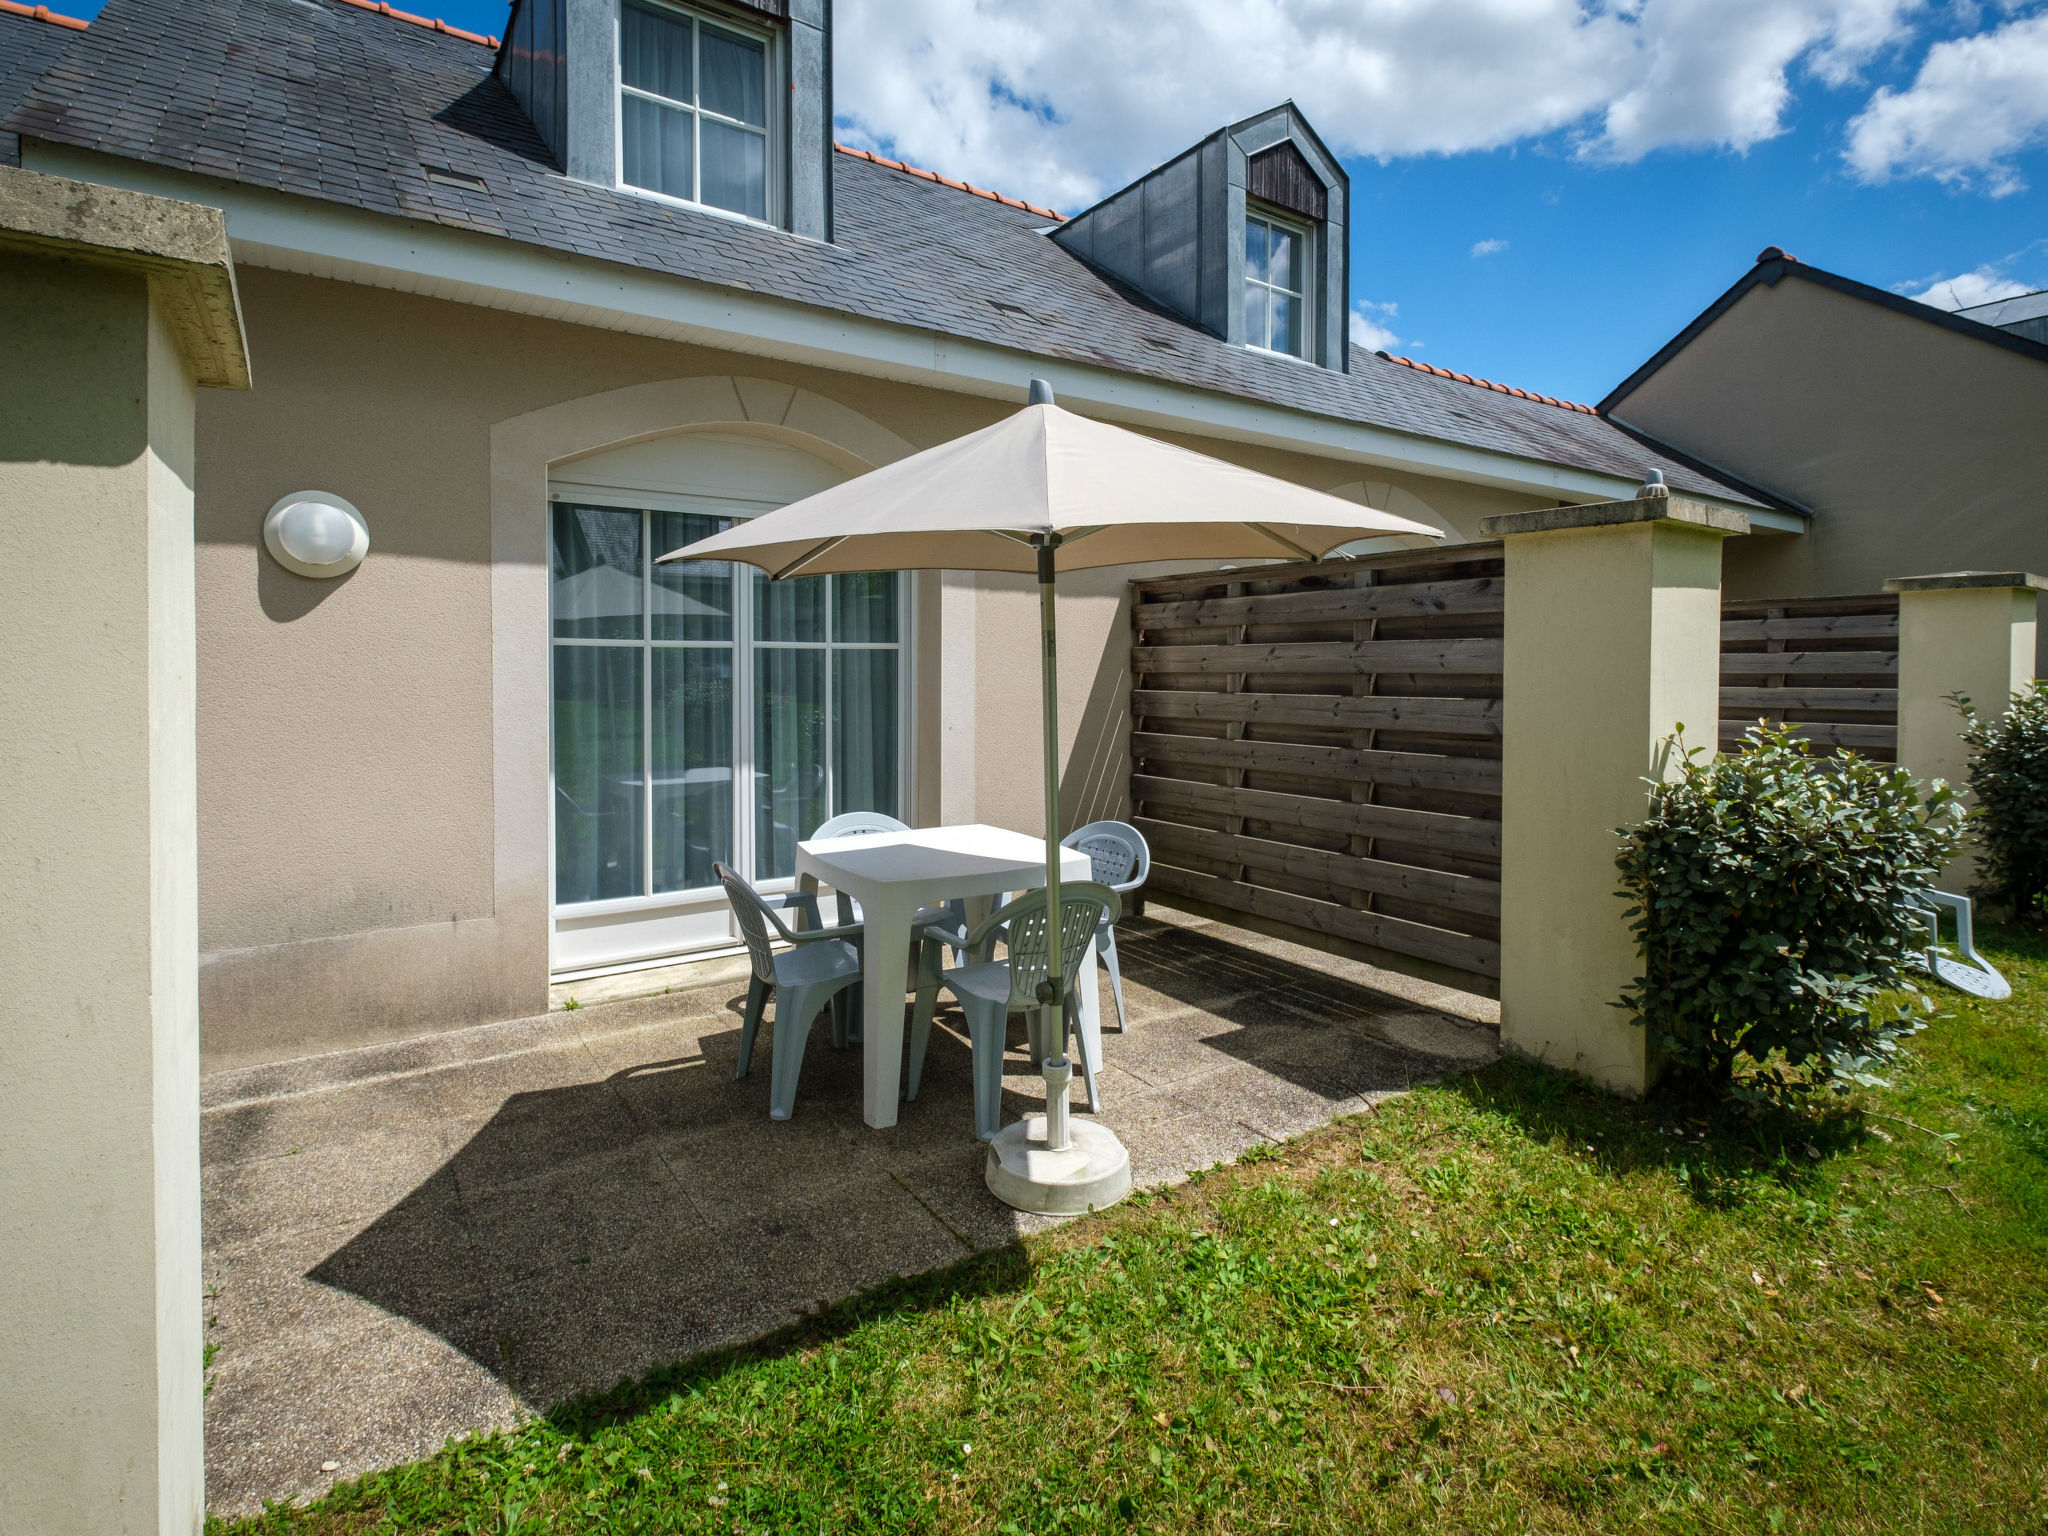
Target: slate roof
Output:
[(29, 44), (334, 101)]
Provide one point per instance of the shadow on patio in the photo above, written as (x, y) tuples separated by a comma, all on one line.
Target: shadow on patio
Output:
[(412, 1249)]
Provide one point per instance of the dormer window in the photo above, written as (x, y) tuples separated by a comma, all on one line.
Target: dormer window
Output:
[(1246, 235), (1275, 273), (693, 109)]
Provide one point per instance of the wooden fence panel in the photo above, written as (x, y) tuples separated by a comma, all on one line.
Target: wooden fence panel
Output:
[(1316, 753), (1829, 666)]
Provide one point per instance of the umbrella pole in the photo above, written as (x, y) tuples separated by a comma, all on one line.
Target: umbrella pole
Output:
[(1052, 1028), (1076, 1166)]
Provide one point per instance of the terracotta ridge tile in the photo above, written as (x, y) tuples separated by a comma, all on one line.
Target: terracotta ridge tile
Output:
[(43, 13), (431, 23), (924, 175), (1502, 389)]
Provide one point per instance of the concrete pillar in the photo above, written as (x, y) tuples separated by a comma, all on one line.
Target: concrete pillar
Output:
[(114, 306), (1613, 641), (1967, 632)]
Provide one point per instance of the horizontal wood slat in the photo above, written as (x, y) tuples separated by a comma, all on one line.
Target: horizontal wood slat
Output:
[(1323, 658), (1439, 717), (1808, 663), (1412, 770), (1315, 749), (1825, 626), (1486, 594), (1880, 700)]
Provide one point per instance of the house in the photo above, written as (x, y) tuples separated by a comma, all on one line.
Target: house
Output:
[(544, 306), (1910, 436)]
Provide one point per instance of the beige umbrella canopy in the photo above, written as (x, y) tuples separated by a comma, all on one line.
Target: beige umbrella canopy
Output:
[(1041, 492), (1111, 496)]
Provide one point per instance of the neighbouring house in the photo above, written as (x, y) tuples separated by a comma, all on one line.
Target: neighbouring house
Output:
[(1911, 436), (546, 306)]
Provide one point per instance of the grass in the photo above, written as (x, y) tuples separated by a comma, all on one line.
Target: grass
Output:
[(1500, 1304)]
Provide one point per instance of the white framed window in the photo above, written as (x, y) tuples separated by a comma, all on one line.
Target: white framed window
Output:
[(1276, 261), (694, 108), (702, 713)]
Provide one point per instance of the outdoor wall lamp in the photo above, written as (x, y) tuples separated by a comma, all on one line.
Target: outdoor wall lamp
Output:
[(316, 533)]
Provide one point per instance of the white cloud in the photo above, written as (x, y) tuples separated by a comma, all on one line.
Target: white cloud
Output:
[(1369, 328), (1975, 102), (1984, 286), (1062, 103), (1489, 247)]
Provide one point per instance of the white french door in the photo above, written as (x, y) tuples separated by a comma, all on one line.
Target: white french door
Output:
[(702, 714)]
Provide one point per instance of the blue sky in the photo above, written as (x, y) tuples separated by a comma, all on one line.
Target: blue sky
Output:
[(1544, 190)]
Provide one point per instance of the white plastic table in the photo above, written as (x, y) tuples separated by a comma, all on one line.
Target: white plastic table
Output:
[(892, 874)]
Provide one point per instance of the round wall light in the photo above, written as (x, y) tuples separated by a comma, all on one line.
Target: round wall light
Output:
[(316, 533)]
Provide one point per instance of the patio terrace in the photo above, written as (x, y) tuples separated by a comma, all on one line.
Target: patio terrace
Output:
[(408, 1243)]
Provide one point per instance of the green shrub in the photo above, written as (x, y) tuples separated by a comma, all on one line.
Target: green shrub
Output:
[(2009, 777), (1768, 886)]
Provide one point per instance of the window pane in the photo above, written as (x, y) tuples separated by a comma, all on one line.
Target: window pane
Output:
[(735, 83), (692, 770), (654, 53), (1286, 323), (691, 600), (789, 755), (1280, 263), (1255, 299), (596, 573), (864, 606), (735, 170), (789, 610), (864, 731), (597, 772), (1255, 250), (657, 141)]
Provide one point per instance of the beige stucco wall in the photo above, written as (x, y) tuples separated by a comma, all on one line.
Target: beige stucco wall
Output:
[(99, 1093), (1922, 450), (372, 751)]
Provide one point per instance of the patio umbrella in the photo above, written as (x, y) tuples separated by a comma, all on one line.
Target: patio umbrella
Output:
[(1038, 493)]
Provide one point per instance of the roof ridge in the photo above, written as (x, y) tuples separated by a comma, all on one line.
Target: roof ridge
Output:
[(43, 13), (1502, 389), (431, 23), (925, 175)]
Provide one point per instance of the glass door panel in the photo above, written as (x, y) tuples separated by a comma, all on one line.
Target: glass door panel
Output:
[(789, 610), (598, 793), (789, 754), (595, 570), (864, 740), (691, 741), (689, 601)]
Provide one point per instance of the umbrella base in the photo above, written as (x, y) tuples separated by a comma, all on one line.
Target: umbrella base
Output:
[(1092, 1173)]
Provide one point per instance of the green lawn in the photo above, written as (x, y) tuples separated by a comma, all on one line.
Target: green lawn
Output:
[(1502, 1304)]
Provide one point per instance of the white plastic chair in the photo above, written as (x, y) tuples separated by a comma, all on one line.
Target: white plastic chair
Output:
[(989, 991), (1973, 973), (1122, 860), (816, 970), (1119, 858)]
